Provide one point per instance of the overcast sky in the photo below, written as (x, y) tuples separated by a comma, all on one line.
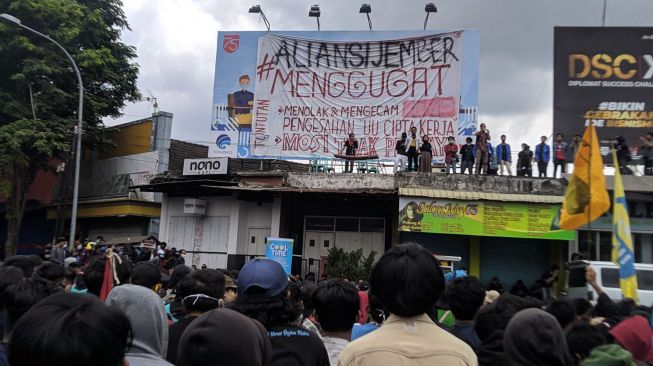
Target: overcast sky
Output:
[(176, 41)]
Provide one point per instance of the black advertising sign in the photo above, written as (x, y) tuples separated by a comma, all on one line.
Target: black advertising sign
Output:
[(603, 75)]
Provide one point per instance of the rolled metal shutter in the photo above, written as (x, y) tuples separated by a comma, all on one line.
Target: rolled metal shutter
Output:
[(513, 259), (454, 245)]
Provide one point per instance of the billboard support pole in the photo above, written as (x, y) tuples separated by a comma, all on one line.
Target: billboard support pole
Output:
[(605, 6)]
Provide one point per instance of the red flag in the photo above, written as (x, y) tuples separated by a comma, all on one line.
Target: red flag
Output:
[(107, 282)]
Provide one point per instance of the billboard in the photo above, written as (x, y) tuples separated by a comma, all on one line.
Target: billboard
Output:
[(481, 218), (603, 75), (298, 95)]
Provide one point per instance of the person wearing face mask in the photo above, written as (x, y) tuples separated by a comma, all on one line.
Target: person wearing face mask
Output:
[(401, 158), (200, 291), (425, 155), (450, 155), (243, 99)]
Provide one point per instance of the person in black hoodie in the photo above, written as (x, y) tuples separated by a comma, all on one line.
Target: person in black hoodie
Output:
[(200, 292), (490, 324), (224, 337), (519, 289), (175, 309), (533, 337)]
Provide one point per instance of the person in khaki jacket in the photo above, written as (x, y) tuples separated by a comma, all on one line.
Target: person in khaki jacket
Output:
[(408, 281)]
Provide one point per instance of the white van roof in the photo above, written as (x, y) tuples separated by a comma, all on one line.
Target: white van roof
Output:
[(600, 264)]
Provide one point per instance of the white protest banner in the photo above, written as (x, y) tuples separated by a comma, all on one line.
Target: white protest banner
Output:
[(311, 94)]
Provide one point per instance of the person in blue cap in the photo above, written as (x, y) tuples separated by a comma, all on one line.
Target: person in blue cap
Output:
[(263, 295)]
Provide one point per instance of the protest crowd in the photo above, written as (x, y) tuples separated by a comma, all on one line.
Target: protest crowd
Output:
[(479, 156), (105, 306)]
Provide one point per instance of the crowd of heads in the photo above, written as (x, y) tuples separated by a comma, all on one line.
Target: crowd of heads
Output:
[(261, 316)]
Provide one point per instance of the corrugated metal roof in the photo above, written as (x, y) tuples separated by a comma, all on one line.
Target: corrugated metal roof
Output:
[(487, 196)]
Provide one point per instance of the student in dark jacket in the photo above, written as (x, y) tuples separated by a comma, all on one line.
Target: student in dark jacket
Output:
[(467, 156), (542, 156), (519, 289), (224, 337), (200, 292), (533, 337), (524, 161), (559, 151), (490, 324), (504, 156), (623, 156), (351, 146), (465, 296)]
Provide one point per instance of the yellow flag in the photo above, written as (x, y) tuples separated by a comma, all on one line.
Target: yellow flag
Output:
[(586, 198), (623, 252)]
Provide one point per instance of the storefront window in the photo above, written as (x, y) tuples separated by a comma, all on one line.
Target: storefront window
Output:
[(320, 223), (584, 246), (372, 225), (605, 246), (604, 240), (346, 224)]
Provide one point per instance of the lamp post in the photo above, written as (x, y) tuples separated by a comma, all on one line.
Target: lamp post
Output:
[(315, 13), (366, 9), (256, 9), (78, 128), (429, 8)]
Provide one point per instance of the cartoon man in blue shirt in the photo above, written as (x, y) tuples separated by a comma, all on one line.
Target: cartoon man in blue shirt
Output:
[(243, 99)]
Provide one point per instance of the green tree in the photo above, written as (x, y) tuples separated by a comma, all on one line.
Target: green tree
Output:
[(352, 265), (38, 89)]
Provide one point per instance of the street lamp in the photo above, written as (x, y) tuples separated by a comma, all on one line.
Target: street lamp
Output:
[(429, 8), (256, 9), (366, 9), (80, 108), (315, 13)]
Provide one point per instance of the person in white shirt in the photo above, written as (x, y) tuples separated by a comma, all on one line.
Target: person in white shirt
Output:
[(401, 159), (412, 149)]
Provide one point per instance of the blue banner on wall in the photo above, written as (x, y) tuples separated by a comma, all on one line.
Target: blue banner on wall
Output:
[(280, 251)]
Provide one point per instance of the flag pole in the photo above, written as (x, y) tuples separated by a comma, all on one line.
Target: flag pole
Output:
[(589, 205)]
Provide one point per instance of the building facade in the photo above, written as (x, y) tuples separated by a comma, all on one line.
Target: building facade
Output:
[(257, 199), (594, 241), (139, 150)]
